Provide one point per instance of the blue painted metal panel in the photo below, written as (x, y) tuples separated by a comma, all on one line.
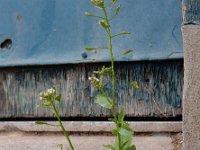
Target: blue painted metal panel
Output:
[(54, 32)]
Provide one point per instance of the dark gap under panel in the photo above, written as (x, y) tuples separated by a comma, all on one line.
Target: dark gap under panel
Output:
[(177, 118)]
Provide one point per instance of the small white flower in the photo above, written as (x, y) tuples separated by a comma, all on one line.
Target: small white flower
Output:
[(53, 90), (49, 91), (94, 78), (41, 94), (45, 94)]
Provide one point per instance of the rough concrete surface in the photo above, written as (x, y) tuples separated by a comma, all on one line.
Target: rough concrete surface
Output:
[(51, 141), (191, 96), (90, 126)]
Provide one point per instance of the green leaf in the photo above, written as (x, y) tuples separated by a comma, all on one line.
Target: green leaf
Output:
[(132, 147), (118, 9), (115, 131), (88, 13), (92, 15), (58, 98), (104, 24), (107, 70), (61, 146), (44, 123), (126, 126), (125, 133), (46, 104), (90, 48), (121, 33), (111, 147), (54, 90), (134, 84), (125, 141), (113, 2), (124, 144), (40, 122), (104, 101), (121, 115), (125, 32), (117, 141), (127, 51)]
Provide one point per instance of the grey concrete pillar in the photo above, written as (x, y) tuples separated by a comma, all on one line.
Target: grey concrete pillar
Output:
[(191, 93)]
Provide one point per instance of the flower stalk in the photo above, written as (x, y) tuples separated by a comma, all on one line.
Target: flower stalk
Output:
[(122, 130), (49, 99)]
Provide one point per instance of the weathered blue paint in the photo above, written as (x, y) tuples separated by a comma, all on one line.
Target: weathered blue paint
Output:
[(56, 32)]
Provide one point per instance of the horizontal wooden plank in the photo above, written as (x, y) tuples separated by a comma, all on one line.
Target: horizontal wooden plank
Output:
[(159, 95), (191, 11)]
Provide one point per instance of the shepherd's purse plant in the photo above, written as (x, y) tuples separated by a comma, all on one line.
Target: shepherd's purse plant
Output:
[(51, 101), (122, 131)]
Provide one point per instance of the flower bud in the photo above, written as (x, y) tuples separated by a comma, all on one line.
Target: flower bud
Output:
[(88, 13), (98, 3)]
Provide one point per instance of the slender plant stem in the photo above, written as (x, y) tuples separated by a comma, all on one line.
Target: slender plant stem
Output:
[(112, 62), (62, 127), (113, 71)]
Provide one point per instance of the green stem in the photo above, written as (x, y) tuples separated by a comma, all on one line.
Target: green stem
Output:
[(62, 127), (113, 71), (112, 62)]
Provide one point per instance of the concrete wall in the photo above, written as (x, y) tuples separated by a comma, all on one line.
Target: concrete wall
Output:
[(191, 93), (191, 96)]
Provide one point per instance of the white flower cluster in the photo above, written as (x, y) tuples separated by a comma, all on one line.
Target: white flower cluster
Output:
[(95, 82), (93, 79), (49, 92), (98, 3)]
